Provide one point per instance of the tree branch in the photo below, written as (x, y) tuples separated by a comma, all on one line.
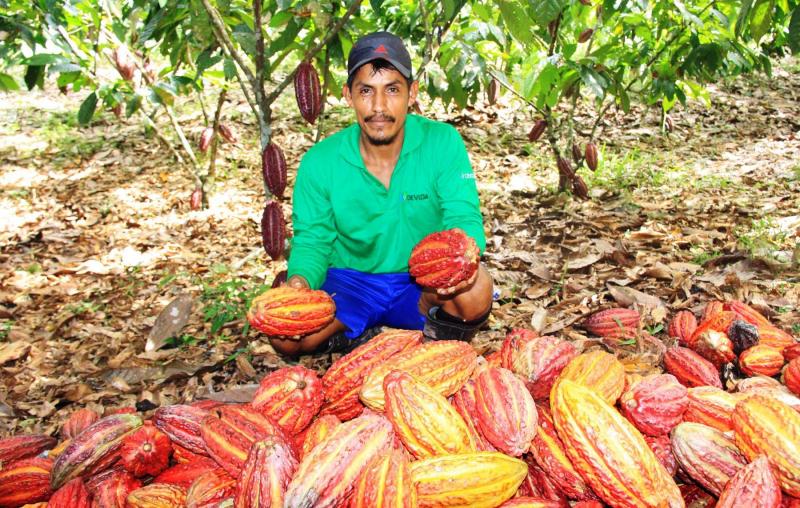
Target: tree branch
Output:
[(212, 163), (325, 85), (221, 32)]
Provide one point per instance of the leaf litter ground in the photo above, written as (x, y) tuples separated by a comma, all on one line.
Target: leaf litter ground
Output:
[(97, 237)]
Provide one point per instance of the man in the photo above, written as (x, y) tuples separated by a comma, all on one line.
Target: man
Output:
[(366, 195)]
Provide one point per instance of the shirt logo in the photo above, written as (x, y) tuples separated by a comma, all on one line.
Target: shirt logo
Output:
[(415, 197), (468, 176), (381, 49)]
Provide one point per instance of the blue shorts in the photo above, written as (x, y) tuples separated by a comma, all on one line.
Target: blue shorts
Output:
[(364, 300)]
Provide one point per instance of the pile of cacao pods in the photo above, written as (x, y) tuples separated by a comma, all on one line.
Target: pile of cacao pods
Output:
[(402, 422)]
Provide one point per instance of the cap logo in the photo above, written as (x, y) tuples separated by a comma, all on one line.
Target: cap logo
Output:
[(380, 49)]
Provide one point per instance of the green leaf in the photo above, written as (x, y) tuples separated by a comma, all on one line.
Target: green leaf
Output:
[(761, 18), (794, 31), (133, 105), (594, 81), (43, 59), (280, 18), (516, 20), (376, 5), (545, 11), (230, 69), (744, 14), (34, 75), (286, 37), (64, 68), (7, 83), (86, 112)]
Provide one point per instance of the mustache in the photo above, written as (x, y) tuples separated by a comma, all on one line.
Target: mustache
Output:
[(381, 118)]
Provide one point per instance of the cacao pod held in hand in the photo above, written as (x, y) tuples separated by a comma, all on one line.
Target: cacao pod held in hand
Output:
[(291, 312), (444, 259)]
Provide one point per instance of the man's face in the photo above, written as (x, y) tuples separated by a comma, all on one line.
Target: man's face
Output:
[(381, 100)]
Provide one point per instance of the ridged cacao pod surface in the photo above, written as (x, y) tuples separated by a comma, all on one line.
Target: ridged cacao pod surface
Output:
[(539, 361), (72, 494), (291, 312), (205, 139), (113, 492), (228, 134), (754, 485), (606, 322), (273, 169), (76, 422), (24, 446), (266, 474), (273, 230), (505, 410), (182, 475), (761, 360), (711, 406), (464, 402), (181, 422), (290, 397), (537, 130), (386, 483), (655, 405), (591, 156), (25, 481), (146, 451), (598, 371), (444, 259), (307, 92), (690, 368), (706, 455), (662, 447), (514, 342), (791, 376), (208, 489), (157, 495), (682, 326), (746, 313), (319, 429), (565, 168), (579, 187)]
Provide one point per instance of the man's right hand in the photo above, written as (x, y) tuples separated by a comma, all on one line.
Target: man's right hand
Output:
[(298, 282)]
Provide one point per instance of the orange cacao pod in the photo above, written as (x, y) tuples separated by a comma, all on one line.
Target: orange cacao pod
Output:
[(72, 494), (386, 483), (25, 481), (548, 452), (655, 405), (93, 446), (183, 455), (157, 495), (712, 307), (182, 475), (776, 391), (464, 402), (690, 368), (579, 187), (791, 376), (706, 455), (113, 491), (444, 259), (78, 421), (753, 485), (505, 411), (767, 426), (266, 475), (481, 479), (290, 397), (769, 335), (719, 322), (307, 92), (291, 312), (146, 451), (662, 448), (205, 139), (318, 431), (588, 504), (273, 169), (711, 406), (746, 313), (423, 420), (514, 341), (273, 229), (24, 446), (606, 322), (443, 365), (597, 370), (715, 347), (608, 451), (181, 423), (791, 352), (531, 502), (537, 130), (208, 489), (682, 326), (327, 475), (343, 380), (591, 156), (761, 359)]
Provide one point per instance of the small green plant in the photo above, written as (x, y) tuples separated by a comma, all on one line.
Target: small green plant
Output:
[(762, 238), (655, 329), (701, 256), (84, 306), (796, 329), (5, 328), (184, 340), (228, 302)]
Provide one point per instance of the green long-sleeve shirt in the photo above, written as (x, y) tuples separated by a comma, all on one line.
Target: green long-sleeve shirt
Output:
[(343, 217)]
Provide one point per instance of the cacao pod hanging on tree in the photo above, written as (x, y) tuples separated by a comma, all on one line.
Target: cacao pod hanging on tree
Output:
[(196, 201), (537, 130), (585, 35), (307, 92), (228, 134), (565, 168), (491, 92), (205, 139), (273, 169), (591, 156), (577, 155), (273, 229), (579, 187), (123, 61)]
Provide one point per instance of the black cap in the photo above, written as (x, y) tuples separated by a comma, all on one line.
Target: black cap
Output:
[(379, 45)]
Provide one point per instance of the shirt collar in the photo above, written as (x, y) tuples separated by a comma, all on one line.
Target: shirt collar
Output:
[(350, 151)]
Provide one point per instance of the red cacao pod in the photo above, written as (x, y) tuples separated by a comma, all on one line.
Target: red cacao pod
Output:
[(291, 312), (682, 326), (719, 322), (78, 421), (761, 360), (540, 361), (537, 130), (273, 230), (72, 495), (25, 481), (591, 156), (753, 485), (196, 199), (24, 446), (746, 313), (712, 307), (444, 259), (791, 352), (579, 187), (386, 483), (157, 495), (273, 169), (690, 368), (464, 401), (291, 397), (228, 134), (182, 424), (565, 168), (711, 406), (505, 411), (662, 447), (706, 455), (208, 489), (182, 475), (205, 139), (307, 92), (146, 451), (114, 490), (537, 483), (515, 340), (606, 322), (577, 154), (655, 405), (266, 474), (791, 376)]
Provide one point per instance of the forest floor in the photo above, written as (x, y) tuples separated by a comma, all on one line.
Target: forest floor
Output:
[(97, 237)]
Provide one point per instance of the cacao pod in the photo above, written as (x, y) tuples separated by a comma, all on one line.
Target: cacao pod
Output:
[(273, 169), (25, 481), (662, 447), (182, 475), (444, 259), (746, 313), (266, 474), (585, 35), (514, 341), (591, 156), (565, 168), (273, 230), (423, 420), (537, 130), (706, 455), (227, 134), (146, 451), (157, 495), (505, 411), (696, 497), (475, 480), (112, 492), (715, 347), (719, 322), (531, 502), (205, 139), (464, 402), (682, 327), (24, 446), (768, 387), (386, 483), (655, 405), (761, 359), (690, 368), (318, 431), (791, 376), (182, 424), (208, 489), (579, 187), (72, 494), (767, 426), (196, 199), (343, 380), (96, 443), (444, 365), (775, 337), (307, 92), (280, 279), (327, 475), (791, 352), (712, 307), (540, 484), (597, 370), (577, 154), (743, 335), (608, 451), (290, 397), (606, 322), (492, 91), (291, 312), (76, 422), (711, 406), (123, 61), (540, 361), (753, 485)]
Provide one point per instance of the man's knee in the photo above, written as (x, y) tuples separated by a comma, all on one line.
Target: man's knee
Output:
[(285, 347)]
